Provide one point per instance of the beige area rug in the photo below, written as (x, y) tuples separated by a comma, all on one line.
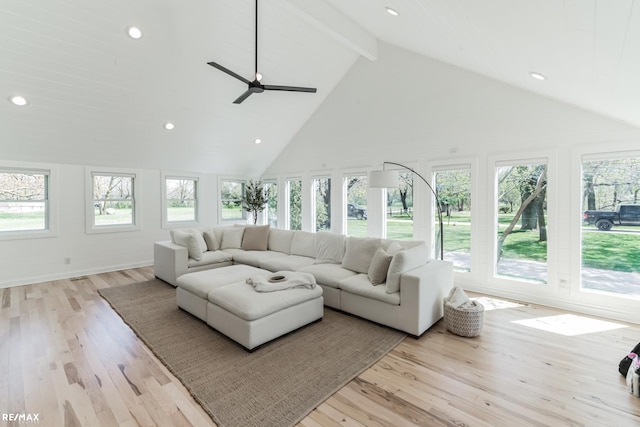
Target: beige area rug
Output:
[(276, 385)]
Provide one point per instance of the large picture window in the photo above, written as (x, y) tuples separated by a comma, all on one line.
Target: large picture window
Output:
[(400, 208), (355, 187), (24, 200), (181, 199), (322, 202), (453, 187), (521, 220), (271, 210), (113, 200), (231, 197), (610, 229), (294, 204)]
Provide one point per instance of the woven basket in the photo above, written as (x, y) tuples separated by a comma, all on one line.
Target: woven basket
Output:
[(464, 321)]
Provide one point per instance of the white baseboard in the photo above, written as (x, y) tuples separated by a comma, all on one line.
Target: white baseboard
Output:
[(70, 274)]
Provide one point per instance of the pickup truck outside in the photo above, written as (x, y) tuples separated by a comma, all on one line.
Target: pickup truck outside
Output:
[(604, 220)]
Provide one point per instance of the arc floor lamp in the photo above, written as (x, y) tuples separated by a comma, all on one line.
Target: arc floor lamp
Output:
[(389, 179)]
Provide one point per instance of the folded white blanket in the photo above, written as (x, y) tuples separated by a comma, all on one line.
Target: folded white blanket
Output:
[(292, 279), (457, 298)]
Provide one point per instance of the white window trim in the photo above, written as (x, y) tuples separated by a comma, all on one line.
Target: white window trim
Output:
[(198, 210), (90, 226), (51, 212)]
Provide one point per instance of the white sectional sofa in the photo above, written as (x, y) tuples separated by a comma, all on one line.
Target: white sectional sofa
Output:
[(390, 282)]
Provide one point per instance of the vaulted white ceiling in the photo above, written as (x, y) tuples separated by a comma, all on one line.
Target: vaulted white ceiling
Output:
[(98, 97)]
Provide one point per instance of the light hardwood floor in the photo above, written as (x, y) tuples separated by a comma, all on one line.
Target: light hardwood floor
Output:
[(66, 356)]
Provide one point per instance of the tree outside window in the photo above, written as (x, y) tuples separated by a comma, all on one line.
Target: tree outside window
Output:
[(322, 190), (24, 201), (356, 188), (181, 201), (400, 208), (231, 197), (113, 200), (522, 221), (294, 202), (453, 188)]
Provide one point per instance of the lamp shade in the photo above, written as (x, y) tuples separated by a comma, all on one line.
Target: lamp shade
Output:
[(383, 179)]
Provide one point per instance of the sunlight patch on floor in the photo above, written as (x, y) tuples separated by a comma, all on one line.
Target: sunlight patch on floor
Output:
[(569, 324), (495, 304)]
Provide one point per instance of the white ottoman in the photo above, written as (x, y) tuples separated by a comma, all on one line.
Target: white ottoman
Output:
[(193, 289), (252, 318)]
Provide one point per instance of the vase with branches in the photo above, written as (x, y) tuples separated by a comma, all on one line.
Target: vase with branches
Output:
[(255, 198)]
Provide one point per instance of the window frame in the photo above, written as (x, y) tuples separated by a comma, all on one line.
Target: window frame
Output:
[(136, 203), (166, 223), (238, 180), (51, 200)]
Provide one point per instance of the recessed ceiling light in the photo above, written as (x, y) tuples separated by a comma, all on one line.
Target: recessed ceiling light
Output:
[(537, 76), (18, 100), (257, 141), (392, 11), (134, 32), (169, 126)]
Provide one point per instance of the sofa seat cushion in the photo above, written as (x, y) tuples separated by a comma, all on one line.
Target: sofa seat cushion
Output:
[(328, 274), (242, 300), (209, 257), (254, 258), (203, 282), (361, 285), (288, 262)]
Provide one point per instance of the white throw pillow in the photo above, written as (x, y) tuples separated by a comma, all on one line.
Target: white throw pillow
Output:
[(232, 238), (212, 240), (379, 266), (402, 262), (329, 247), (359, 253), (189, 240)]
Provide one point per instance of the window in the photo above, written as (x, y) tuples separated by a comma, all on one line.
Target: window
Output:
[(322, 202), (271, 211), (294, 204), (400, 208), (24, 200), (113, 200), (231, 197), (355, 187), (453, 187), (521, 220), (610, 238), (181, 199)]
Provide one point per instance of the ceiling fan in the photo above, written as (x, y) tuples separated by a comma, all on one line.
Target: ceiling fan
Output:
[(255, 86)]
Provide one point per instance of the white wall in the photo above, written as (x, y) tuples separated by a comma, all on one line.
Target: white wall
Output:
[(32, 260), (407, 108)]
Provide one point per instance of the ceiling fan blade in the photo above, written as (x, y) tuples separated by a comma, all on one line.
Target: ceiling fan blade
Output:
[(290, 88), (228, 71), (242, 97)]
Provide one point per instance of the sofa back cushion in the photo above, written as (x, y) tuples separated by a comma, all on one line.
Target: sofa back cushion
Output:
[(191, 240), (232, 237), (359, 253), (255, 238), (303, 244), (330, 247), (402, 262), (280, 240), (213, 243)]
